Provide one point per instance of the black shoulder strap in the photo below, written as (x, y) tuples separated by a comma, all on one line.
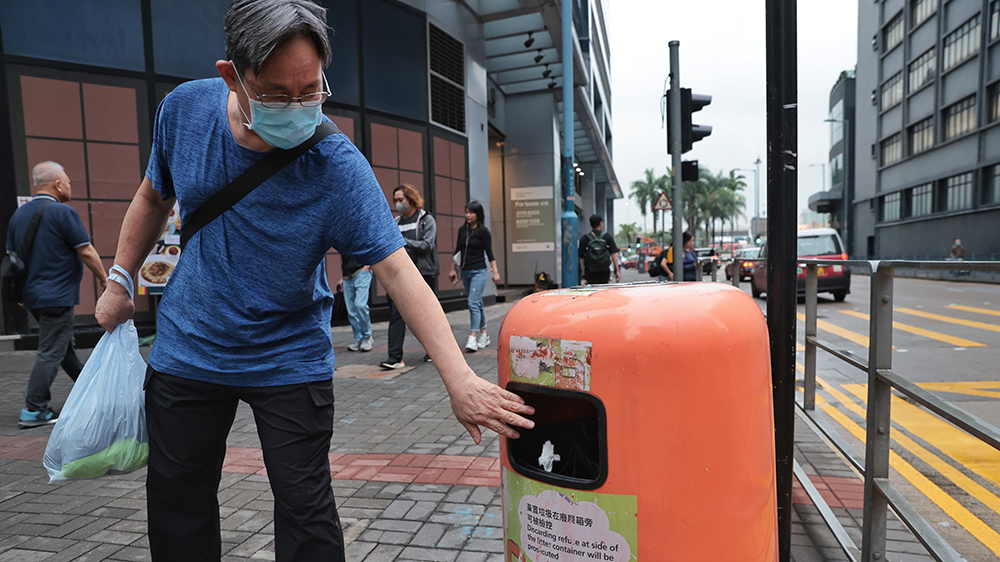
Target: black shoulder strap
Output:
[(29, 235), (255, 175)]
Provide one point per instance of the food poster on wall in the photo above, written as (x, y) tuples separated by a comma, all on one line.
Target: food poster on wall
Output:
[(550, 362), (159, 264), (544, 523)]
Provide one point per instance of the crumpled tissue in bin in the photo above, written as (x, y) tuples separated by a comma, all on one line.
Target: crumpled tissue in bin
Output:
[(548, 456)]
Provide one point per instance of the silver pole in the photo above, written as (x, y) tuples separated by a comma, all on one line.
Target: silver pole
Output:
[(675, 152)]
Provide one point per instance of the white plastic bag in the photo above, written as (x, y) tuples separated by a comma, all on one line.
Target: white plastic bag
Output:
[(102, 426)]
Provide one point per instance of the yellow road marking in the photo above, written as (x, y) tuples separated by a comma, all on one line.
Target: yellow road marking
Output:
[(975, 388), (837, 330), (951, 340), (799, 347), (950, 319), (953, 442), (974, 309), (975, 526)]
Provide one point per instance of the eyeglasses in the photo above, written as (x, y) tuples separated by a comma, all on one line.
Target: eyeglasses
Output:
[(280, 101)]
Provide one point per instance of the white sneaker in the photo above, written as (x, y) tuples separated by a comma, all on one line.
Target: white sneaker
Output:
[(483, 341), (471, 344), (366, 344), (354, 346)]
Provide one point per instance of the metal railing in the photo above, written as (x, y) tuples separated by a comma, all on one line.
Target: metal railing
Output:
[(880, 494)]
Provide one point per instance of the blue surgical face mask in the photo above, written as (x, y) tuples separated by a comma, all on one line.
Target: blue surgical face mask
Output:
[(285, 127)]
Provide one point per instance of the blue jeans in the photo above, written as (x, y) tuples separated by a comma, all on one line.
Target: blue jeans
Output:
[(475, 283), (356, 298)]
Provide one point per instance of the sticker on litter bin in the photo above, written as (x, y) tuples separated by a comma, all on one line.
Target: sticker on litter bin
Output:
[(549, 524), (550, 362)]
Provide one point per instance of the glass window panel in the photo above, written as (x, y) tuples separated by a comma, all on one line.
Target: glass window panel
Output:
[(892, 149), (993, 185), (994, 19), (960, 118), (922, 199), (961, 43), (894, 32), (922, 136), (959, 192), (892, 91), (891, 207), (922, 9), (922, 69), (75, 32)]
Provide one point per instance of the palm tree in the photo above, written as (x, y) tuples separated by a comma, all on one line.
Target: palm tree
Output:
[(645, 192)]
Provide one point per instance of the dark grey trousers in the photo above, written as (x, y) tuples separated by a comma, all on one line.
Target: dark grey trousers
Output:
[(56, 347), (397, 328)]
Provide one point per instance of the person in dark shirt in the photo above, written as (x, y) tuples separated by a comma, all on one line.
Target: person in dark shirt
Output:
[(357, 281), (690, 259), (473, 249), (419, 230), (52, 288), (596, 263)]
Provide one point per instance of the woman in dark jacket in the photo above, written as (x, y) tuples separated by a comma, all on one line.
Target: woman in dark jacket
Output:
[(473, 249)]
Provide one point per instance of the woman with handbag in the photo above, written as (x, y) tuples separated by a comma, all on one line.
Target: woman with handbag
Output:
[(473, 249)]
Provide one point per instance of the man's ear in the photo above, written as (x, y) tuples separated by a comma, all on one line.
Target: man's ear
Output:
[(228, 73)]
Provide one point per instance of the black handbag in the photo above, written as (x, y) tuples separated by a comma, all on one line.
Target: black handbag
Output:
[(14, 268)]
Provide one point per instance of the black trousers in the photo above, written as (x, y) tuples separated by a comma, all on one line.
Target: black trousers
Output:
[(397, 328), (188, 423)]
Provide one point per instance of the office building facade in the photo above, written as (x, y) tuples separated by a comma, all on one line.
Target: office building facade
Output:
[(928, 128)]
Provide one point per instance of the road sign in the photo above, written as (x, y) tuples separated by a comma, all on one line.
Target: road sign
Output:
[(662, 203)]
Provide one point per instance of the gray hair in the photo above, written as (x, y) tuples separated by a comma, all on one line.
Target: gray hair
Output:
[(46, 172), (254, 28)]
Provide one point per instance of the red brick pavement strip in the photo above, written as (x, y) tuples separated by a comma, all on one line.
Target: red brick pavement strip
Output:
[(846, 493), (424, 469)]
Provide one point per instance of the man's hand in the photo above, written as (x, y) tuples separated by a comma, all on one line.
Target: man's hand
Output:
[(114, 307), (476, 403)]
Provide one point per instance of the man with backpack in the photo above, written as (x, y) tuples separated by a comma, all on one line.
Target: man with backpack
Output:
[(598, 253)]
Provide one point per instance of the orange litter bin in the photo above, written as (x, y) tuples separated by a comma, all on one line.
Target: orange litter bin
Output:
[(654, 436)]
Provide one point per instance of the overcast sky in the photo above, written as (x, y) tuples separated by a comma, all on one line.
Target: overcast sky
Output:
[(722, 54)]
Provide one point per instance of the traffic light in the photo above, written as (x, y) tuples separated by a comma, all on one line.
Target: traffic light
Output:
[(689, 171), (638, 242), (691, 133)]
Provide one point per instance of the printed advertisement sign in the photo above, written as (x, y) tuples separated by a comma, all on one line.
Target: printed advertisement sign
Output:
[(159, 264), (548, 524), (550, 362), (534, 219)]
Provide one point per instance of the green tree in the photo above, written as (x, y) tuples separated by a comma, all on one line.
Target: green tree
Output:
[(646, 191)]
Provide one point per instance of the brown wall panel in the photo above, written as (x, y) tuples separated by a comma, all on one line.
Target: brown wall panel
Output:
[(83, 209), (388, 178), (385, 152), (457, 161), (442, 157), (442, 195), (114, 170), (51, 108), (416, 179), (88, 299), (458, 200), (67, 153), (333, 272), (110, 113), (411, 150), (107, 221)]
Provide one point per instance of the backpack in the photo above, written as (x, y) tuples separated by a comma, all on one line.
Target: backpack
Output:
[(655, 270), (597, 258), (14, 269)]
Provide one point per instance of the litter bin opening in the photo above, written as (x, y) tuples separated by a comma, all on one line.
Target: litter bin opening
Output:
[(569, 438)]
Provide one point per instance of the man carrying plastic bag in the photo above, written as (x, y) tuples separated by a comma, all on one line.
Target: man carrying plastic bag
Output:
[(102, 426)]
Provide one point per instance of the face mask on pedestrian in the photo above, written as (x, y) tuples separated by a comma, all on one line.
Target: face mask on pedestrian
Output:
[(402, 206), (284, 127)]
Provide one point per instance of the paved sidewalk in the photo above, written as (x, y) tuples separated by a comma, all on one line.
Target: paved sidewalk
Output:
[(411, 485)]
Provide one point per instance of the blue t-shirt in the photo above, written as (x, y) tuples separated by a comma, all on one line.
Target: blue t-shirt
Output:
[(54, 266), (248, 303)]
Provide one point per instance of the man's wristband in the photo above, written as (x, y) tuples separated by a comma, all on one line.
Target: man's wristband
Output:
[(121, 276)]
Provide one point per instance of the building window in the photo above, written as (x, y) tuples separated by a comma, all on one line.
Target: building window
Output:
[(994, 19), (892, 149), (958, 192), (890, 207), (892, 91), (921, 200), (993, 184), (893, 34), (994, 100), (922, 69), (837, 122), (922, 9), (961, 43), (922, 136), (960, 118)]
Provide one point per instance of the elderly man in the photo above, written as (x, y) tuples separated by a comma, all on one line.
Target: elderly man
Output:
[(246, 313), (52, 288)]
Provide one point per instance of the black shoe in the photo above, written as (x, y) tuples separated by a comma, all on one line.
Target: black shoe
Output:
[(389, 366), (427, 358)]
